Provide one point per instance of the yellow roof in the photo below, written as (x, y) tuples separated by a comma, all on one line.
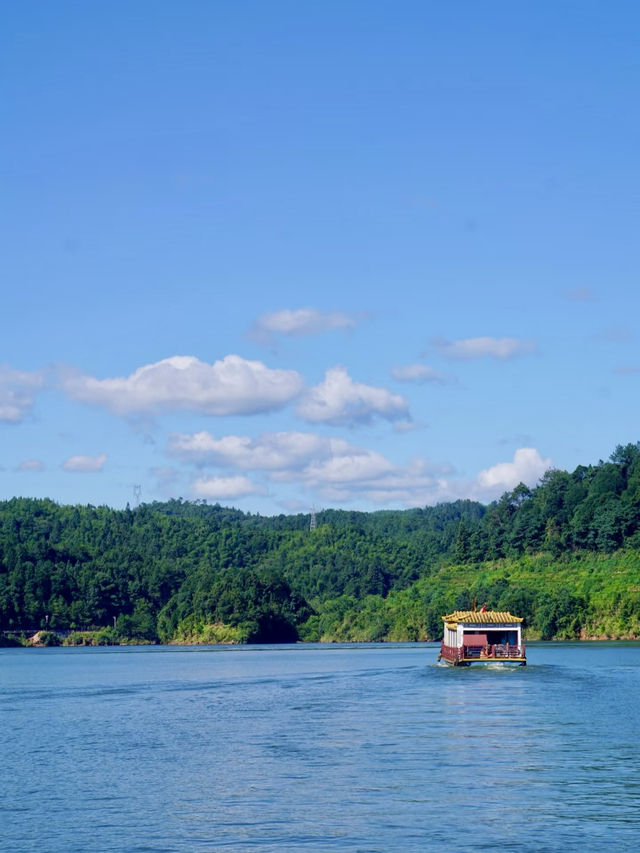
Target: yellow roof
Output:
[(478, 617)]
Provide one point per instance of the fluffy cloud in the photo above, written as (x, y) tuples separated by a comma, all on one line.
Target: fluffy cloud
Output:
[(269, 452), (336, 470), (372, 477), (333, 467), (298, 323), (369, 475), (224, 488), (527, 467), (85, 464), (419, 373), (340, 401), (472, 348), (353, 467), (331, 464), (18, 389), (232, 386)]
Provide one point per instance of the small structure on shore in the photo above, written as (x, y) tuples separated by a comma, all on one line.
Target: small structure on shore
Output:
[(482, 636)]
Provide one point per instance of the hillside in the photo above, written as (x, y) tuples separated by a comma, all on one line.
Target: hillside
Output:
[(565, 555)]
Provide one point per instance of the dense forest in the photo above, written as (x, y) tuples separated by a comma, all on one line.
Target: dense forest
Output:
[(565, 555)]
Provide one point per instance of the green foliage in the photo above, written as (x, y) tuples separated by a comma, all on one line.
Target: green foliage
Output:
[(175, 570), (585, 596), (81, 638), (107, 637), (140, 625), (193, 631), (10, 641), (47, 638)]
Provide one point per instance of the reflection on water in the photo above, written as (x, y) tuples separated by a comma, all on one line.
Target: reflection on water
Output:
[(350, 748)]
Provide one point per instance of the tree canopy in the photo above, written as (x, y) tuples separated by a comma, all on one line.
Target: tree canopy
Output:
[(165, 570)]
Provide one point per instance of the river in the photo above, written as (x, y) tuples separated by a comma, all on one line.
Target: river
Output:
[(318, 748)]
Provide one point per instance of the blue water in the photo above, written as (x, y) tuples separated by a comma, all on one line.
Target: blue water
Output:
[(323, 748)]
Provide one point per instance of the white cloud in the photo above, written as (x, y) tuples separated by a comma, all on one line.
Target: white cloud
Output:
[(224, 488), (18, 389), (419, 373), (269, 452), (32, 465), (298, 323), (333, 467), (342, 402), (471, 348), (527, 467), (418, 483), (232, 386), (354, 465), (85, 464), (336, 470), (370, 475)]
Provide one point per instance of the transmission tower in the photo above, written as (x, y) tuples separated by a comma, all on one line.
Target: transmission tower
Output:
[(313, 523), (137, 494)]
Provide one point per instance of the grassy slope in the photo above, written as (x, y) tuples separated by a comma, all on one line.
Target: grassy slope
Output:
[(592, 596)]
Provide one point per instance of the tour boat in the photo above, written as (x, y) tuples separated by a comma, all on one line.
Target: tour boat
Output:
[(482, 636)]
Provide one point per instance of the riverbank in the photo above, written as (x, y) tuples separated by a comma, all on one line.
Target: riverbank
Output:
[(48, 639)]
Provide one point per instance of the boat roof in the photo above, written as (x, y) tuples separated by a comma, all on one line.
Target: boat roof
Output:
[(481, 617)]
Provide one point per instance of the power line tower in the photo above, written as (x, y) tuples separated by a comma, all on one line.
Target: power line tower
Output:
[(313, 523), (137, 493)]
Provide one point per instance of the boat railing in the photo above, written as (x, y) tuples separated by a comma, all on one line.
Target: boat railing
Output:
[(496, 651), (451, 653)]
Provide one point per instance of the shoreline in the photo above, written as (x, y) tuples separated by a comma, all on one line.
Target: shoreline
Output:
[(37, 641)]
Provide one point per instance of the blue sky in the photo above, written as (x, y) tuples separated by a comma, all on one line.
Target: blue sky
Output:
[(291, 254)]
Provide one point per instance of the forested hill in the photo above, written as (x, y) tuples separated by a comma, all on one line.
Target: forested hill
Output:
[(565, 555)]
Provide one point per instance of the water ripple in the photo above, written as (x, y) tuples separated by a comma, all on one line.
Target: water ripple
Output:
[(341, 748)]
